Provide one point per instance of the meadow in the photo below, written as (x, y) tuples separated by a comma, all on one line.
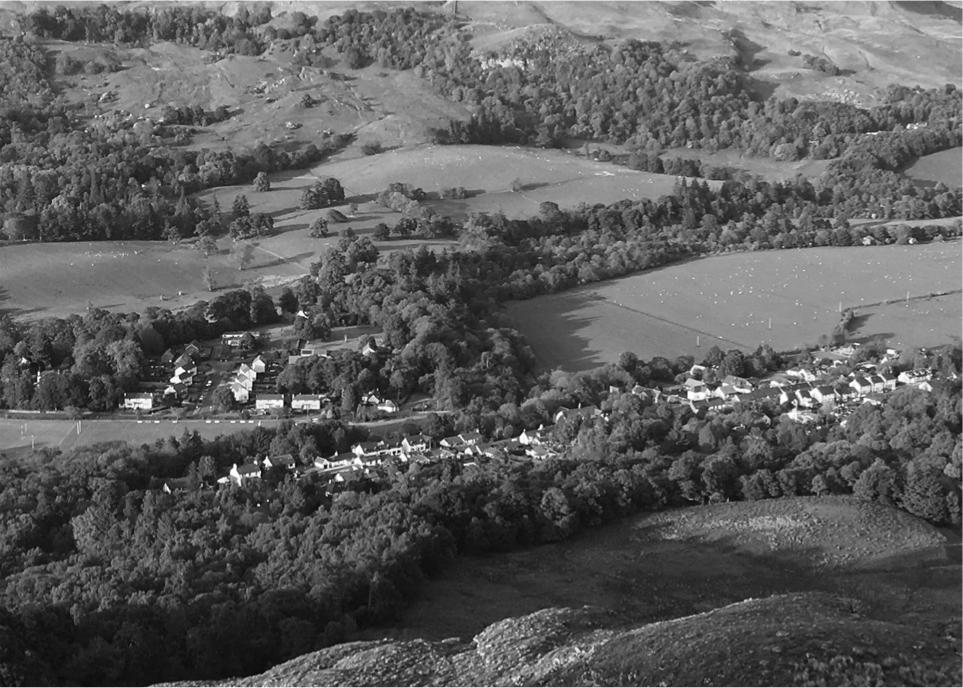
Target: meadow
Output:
[(784, 298), (945, 166)]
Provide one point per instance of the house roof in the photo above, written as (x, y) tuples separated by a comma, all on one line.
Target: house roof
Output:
[(138, 395), (270, 397), (249, 469), (825, 389), (282, 460)]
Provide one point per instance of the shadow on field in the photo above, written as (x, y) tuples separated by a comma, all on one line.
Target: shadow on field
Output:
[(551, 326)]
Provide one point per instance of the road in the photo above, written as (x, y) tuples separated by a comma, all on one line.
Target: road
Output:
[(37, 431)]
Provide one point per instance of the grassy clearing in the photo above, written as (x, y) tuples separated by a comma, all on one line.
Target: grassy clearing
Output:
[(945, 166), (767, 168), (694, 560), (728, 301)]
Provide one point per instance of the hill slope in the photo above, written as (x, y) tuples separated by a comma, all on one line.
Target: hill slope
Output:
[(780, 640)]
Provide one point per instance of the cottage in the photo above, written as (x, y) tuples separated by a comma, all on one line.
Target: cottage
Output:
[(369, 448), (242, 393), (824, 394), (790, 393), (258, 365), (267, 402), (167, 357), (530, 437), (415, 443), (740, 384), (388, 406), (176, 390), (861, 385), (193, 350), (889, 381), (245, 472), (244, 379), (246, 370), (186, 362), (305, 402), (143, 401), (804, 398), (455, 442), (915, 377), (337, 461), (803, 374), (583, 412), (760, 396), (540, 452), (285, 461), (234, 339), (696, 390)]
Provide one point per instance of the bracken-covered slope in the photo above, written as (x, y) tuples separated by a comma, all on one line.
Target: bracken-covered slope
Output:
[(779, 640)]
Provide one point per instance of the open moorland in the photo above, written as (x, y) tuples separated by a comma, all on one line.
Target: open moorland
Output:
[(693, 560), (729, 300)]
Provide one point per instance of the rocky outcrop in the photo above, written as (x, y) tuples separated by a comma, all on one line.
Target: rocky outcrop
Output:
[(812, 638)]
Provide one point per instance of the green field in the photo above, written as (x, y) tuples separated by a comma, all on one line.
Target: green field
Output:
[(729, 300), (945, 166)]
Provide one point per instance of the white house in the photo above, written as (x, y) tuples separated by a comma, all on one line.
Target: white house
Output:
[(242, 394), (285, 461), (531, 437), (824, 394), (801, 416), (246, 370), (266, 402), (415, 443), (915, 377), (388, 406), (306, 402), (696, 390), (861, 385), (143, 401), (258, 365), (247, 471)]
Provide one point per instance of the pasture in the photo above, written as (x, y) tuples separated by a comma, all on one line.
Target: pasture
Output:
[(18, 434), (945, 166), (729, 301), (57, 279)]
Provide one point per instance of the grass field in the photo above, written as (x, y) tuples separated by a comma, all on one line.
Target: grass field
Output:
[(945, 166), (20, 434), (41, 280), (728, 301), (687, 561)]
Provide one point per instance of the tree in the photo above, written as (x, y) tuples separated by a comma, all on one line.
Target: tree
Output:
[(288, 301), (206, 244), (240, 208), (261, 182), (223, 399), (208, 278), (245, 256), (319, 228)]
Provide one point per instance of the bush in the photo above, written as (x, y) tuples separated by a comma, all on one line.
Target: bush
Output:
[(371, 148)]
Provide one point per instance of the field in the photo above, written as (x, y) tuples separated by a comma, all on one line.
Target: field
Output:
[(42, 280), (19, 433), (728, 301), (688, 561), (945, 166)]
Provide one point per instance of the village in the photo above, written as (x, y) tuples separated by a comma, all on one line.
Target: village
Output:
[(829, 388)]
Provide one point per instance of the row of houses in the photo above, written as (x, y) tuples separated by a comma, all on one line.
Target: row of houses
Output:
[(242, 382)]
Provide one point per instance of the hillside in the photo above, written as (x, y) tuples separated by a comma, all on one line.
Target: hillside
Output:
[(778, 592)]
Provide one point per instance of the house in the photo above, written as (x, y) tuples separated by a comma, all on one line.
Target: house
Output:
[(369, 448), (696, 390), (370, 399), (844, 391), (915, 377), (717, 405), (697, 369), (415, 443), (247, 380), (178, 390), (760, 396), (266, 402), (258, 365), (740, 384), (172, 485), (877, 382), (305, 402), (337, 461), (540, 452), (889, 382), (167, 357), (370, 347), (824, 394), (143, 401), (285, 461), (388, 406), (455, 442), (861, 385), (583, 412), (801, 374), (790, 393), (233, 339), (247, 471), (186, 362), (196, 351), (246, 370), (530, 437), (242, 393), (804, 398), (801, 416)]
